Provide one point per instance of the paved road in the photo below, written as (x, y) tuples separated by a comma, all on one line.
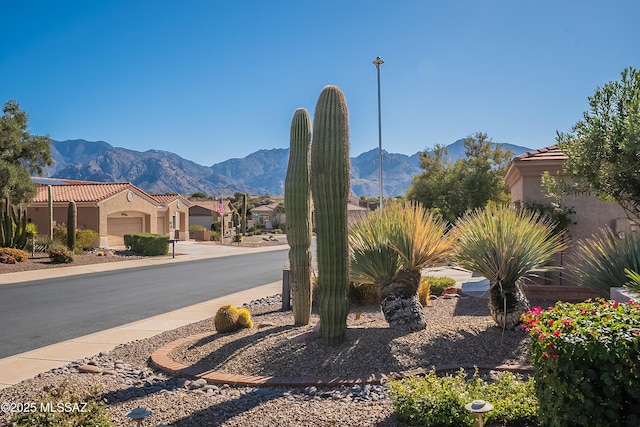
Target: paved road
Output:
[(39, 313)]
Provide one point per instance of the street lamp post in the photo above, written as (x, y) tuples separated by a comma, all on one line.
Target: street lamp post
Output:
[(378, 62)]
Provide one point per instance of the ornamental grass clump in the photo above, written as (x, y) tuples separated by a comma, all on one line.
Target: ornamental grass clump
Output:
[(586, 360)]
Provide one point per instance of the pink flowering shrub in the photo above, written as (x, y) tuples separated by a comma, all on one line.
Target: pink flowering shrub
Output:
[(586, 359)]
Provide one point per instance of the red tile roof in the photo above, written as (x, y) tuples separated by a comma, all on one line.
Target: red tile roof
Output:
[(85, 192), (547, 153)]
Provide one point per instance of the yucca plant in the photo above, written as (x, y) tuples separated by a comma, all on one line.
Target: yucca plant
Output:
[(599, 262), (390, 250), (506, 247), (634, 284)]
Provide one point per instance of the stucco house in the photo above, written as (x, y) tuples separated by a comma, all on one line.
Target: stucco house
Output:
[(267, 216), (111, 209), (524, 179), (204, 213)]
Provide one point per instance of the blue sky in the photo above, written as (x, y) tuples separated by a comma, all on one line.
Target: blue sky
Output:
[(212, 80)]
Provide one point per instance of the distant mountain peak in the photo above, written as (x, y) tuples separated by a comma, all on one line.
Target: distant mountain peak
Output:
[(263, 171)]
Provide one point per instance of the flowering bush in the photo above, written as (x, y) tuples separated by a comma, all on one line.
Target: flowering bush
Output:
[(586, 358)]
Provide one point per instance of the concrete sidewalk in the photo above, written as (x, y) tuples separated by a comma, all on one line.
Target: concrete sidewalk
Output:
[(17, 368)]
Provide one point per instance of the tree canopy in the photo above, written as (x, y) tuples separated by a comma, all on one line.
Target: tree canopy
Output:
[(21, 154), (453, 188), (603, 149)]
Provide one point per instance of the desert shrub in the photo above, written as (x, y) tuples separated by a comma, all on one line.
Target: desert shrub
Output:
[(60, 234), (424, 291), (215, 236), (439, 284), (586, 360), (43, 244), (599, 261), (258, 232), (60, 254), (439, 401), (364, 294), (147, 243), (86, 239), (7, 259), (65, 407), (18, 254), (196, 227), (237, 238), (277, 231)]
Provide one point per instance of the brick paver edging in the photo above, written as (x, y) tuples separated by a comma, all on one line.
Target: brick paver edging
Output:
[(160, 359)]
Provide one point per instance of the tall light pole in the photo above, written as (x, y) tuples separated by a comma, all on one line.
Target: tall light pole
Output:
[(378, 62)]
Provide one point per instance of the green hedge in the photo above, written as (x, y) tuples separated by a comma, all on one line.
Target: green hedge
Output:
[(586, 358), (147, 243), (439, 284)]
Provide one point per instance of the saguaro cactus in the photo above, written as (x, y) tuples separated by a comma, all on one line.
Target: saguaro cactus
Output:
[(50, 211), (330, 189), (297, 194), (72, 221)]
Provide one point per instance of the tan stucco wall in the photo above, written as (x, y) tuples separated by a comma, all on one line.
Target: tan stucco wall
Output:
[(87, 216), (591, 213), (119, 206)]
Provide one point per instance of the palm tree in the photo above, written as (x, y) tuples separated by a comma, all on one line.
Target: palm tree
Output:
[(390, 251), (507, 247)]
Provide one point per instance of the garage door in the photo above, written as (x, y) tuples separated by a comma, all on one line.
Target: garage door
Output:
[(118, 227)]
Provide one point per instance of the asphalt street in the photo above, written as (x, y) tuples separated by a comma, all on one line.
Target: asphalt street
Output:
[(43, 312)]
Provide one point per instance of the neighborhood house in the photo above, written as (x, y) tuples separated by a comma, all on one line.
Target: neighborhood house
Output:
[(111, 209)]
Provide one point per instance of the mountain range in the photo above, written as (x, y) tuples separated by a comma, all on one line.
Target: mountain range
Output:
[(261, 172)]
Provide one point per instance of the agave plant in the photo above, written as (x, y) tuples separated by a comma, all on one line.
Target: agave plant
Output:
[(507, 247), (390, 251), (599, 262)]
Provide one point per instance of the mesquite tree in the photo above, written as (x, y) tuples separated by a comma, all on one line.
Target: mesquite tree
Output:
[(330, 190), (297, 194)]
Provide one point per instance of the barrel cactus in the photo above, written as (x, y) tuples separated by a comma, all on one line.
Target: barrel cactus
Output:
[(330, 190), (226, 319), (244, 318), (72, 221), (297, 195)]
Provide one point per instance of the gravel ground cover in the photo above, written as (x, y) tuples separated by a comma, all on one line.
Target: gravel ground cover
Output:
[(459, 332), (41, 261)]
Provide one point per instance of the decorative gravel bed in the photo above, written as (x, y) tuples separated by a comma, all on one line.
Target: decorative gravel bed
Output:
[(459, 332)]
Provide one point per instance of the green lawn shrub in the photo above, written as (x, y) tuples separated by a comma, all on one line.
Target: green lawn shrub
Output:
[(586, 358), (432, 401), (65, 407), (148, 244), (86, 239), (438, 284)]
